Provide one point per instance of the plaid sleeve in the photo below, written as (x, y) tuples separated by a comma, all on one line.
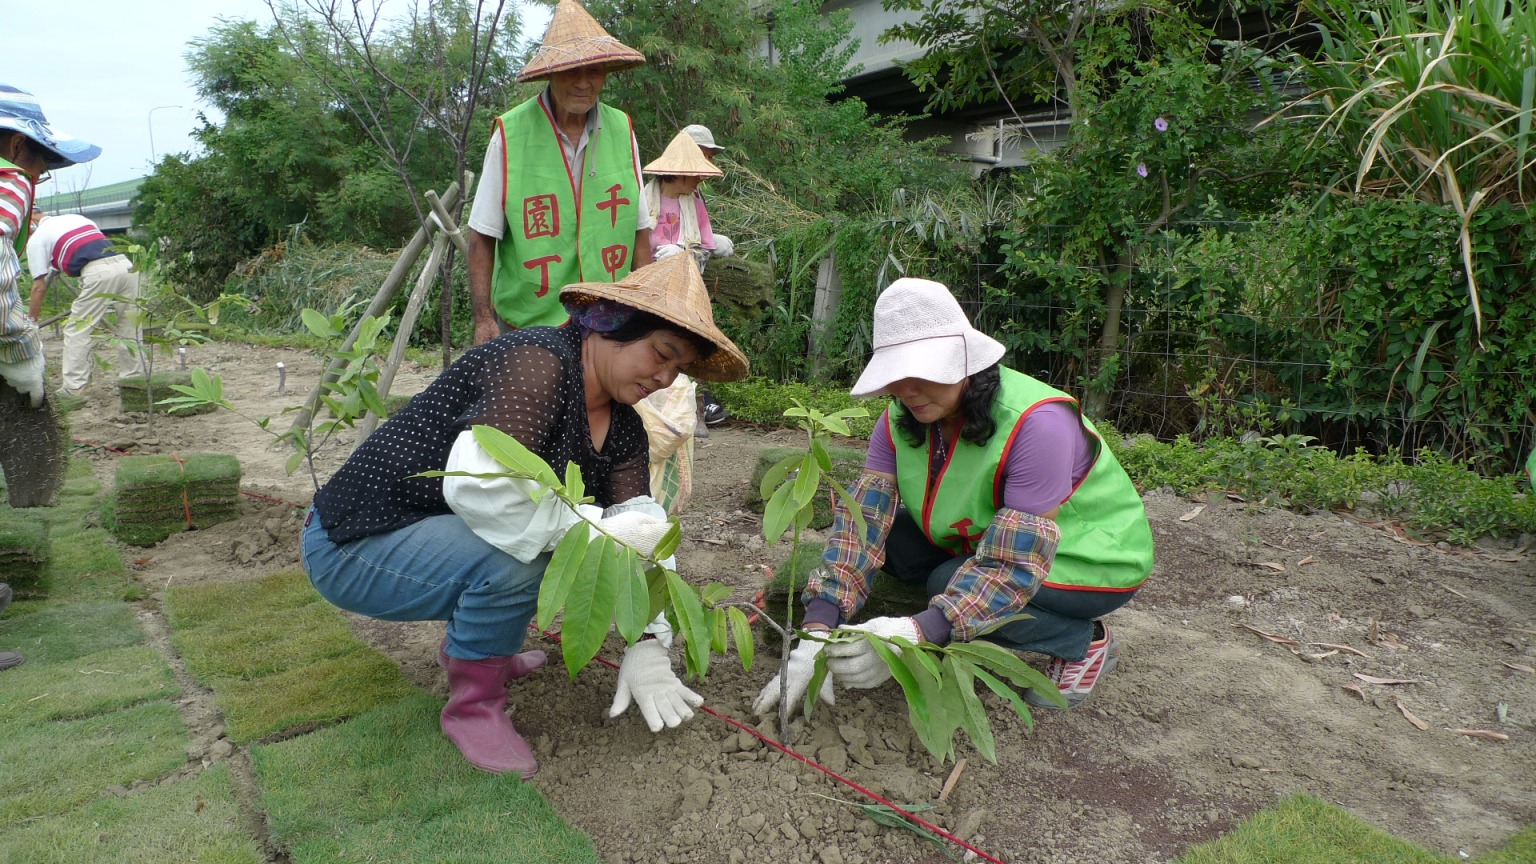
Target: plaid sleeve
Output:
[(1011, 561), (850, 560)]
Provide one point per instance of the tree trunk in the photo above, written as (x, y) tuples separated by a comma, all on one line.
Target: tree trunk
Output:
[(1108, 350)]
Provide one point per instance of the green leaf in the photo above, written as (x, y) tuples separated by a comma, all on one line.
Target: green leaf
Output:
[(812, 690), (1007, 664), (669, 541), (807, 481), (717, 632), (930, 714), (294, 462), (819, 450), (575, 488), (510, 452), (973, 716), (741, 634), (590, 605), (632, 603), (693, 626), (317, 324), (884, 815), (778, 513), (714, 592), (656, 590), (563, 570), (775, 475), (1008, 693)]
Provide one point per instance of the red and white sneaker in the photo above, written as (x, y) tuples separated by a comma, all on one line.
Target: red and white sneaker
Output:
[(1076, 678)]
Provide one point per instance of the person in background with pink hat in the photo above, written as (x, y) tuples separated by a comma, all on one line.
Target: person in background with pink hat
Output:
[(989, 488), (558, 199)]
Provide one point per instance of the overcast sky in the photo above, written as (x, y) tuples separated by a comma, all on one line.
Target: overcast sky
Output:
[(114, 65)]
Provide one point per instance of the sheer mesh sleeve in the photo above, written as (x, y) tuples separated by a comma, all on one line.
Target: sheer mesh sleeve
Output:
[(521, 395), (631, 478)]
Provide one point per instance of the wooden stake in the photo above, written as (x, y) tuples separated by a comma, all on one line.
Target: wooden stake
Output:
[(381, 300), (403, 335), (953, 776)]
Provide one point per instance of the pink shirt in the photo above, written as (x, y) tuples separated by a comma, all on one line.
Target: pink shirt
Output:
[(1050, 456), (668, 223)]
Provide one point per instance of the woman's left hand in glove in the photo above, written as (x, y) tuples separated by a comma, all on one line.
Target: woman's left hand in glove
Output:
[(646, 676)]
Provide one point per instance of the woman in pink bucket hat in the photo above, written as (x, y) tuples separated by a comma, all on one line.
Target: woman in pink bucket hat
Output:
[(990, 489)]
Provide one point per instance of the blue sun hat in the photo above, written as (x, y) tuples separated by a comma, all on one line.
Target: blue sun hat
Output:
[(19, 112)]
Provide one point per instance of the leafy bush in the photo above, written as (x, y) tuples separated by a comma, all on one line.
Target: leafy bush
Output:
[(760, 400)]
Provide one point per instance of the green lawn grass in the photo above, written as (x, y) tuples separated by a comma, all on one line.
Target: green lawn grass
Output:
[(1307, 830), (193, 820), (110, 680), (387, 787), (277, 655)]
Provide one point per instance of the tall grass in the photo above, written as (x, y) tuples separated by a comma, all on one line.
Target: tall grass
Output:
[(1436, 98)]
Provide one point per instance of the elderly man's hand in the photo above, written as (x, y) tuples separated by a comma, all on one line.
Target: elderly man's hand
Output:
[(486, 330)]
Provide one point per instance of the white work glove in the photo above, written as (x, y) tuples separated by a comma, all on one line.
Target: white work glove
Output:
[(855, 662), (641, 531), (802, 665), (646, 676), (27, 377)]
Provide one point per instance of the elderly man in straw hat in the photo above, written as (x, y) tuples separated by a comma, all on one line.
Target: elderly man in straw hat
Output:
[(472, 550), (559, 193), (992, 491)]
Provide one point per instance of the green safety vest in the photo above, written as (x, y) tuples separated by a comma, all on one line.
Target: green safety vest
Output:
[(553, 237), (1106, 541), (6, 167)]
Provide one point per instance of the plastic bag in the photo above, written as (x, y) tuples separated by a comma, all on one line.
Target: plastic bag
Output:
[(669, 416)]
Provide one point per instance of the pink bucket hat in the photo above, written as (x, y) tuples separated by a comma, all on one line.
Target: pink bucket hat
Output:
[(921, 332)]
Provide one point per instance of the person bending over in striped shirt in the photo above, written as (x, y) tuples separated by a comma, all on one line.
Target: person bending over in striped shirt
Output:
[(990, 489), (72, 244)]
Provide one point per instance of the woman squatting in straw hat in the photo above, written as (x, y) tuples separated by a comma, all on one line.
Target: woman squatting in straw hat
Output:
[(990, 489), (470, 551)]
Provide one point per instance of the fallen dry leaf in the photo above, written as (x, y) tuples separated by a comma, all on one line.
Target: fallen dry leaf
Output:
[(1356, 651), (1199, 508), (140, 562), (1270, 636), (1419, 724), (1310, 559), (1520, 667), (1453, 591), (1355, 689), (1273, 565), (1318, 656), (1482, 733), (1238, 498), (1372, 679)]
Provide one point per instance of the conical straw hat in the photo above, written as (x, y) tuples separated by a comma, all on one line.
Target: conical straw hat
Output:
[(683, 158), (574, 39), (671, 289)]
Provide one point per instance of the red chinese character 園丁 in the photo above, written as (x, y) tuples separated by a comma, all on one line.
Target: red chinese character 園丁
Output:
[(541, 216)]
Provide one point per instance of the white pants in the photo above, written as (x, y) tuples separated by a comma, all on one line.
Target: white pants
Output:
[(105, 276)]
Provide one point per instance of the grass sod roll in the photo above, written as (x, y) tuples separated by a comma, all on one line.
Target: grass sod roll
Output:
[(23, 548), (134, 396), (157, 496)]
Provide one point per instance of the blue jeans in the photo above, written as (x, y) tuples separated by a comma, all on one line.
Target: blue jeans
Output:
[(1062, 625), (434, 570)]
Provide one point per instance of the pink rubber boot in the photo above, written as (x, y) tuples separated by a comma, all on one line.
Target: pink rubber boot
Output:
[(475, 718), (524, 662)]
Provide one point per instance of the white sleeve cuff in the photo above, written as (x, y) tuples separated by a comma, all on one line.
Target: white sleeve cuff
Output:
[(501, 510)]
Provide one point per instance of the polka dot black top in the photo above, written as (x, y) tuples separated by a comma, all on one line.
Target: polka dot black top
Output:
[(527, 383)]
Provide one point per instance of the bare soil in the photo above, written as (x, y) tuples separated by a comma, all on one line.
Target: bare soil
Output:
[(1205, 721)]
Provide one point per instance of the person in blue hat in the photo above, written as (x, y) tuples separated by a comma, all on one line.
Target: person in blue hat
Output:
[(29, 149)]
